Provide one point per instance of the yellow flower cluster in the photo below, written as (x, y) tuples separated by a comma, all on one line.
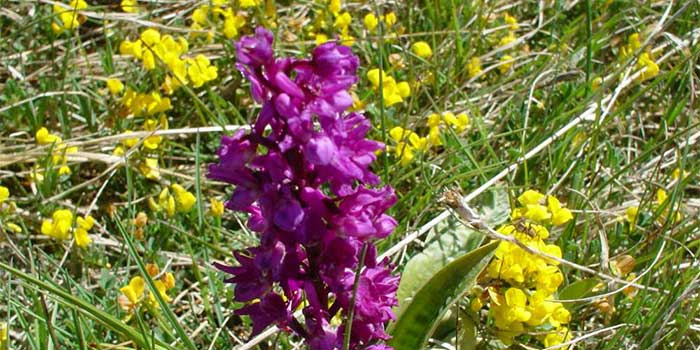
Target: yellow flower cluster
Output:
[(60, 150), (148, 166), (522, 288), (217, 16), (506, 62), (633, 44), (648, 67), (147, 105), (371, 21), (61, 225), (182, 201), (474, 67), (133, 293), (645, 62), (141, 104), (341, 24), (68, 18), (535, 209), (152, 47), (392, 92), (459, 122), (408, 142)]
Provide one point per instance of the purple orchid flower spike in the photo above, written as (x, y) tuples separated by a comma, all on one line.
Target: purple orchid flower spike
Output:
[(303, 176)]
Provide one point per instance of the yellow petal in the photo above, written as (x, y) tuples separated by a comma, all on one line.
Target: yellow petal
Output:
[(168, 280), (114, 86), (422, 49), (82, 239), (530, 197), (217, 207), (4, 194)]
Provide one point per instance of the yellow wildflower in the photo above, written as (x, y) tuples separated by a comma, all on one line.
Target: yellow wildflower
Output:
[(321, 38), (216, 207), (390, 19), (676, 175), (232, 24), (4, 194), (149, 61), (557, 337), (422, 49), (343, 20), (59, 225), (560, 215), (661, 196), (507, 39), (392, 92), (114, 86), (150, 37), (633, 44), (537, 212), (150, 168), (160, 287), (184, 199), (133, 293), (130, 6), (505, 64), (631, 215), (168, 280), (201, 71), (334, 6), (530, 197), (511, 21), (43, 137), (131, 48), (459, 122), (69, 18), (474, 67), (3, 335), (84, 224), (649, 68), (371, 22)]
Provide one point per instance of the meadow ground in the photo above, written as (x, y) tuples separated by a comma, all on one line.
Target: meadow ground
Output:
[(111, 112)]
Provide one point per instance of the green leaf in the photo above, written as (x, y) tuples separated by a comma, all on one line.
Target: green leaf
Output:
[(466, 332), (577, 290), (452, 240), (420, 317)]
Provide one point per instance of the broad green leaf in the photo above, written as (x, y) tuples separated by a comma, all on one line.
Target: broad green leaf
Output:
[(577, 290), (420, 317), (452, 239)]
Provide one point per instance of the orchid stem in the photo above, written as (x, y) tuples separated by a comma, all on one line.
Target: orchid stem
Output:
[(351, 310)]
